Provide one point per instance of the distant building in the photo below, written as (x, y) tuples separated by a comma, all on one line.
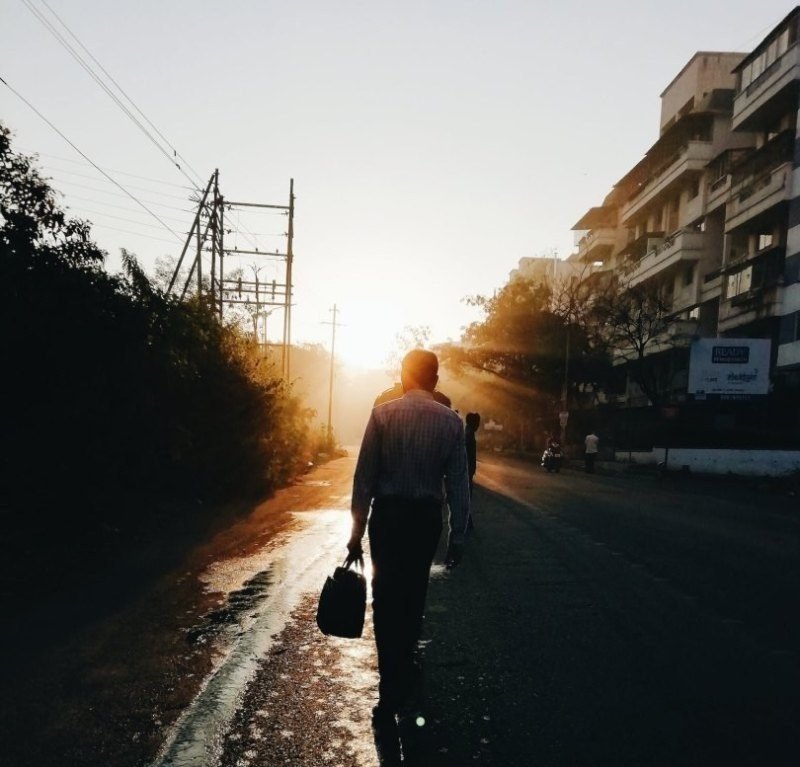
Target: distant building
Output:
[(540, 269)]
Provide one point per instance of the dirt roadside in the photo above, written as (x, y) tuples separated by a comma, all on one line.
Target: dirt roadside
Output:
[(105, 692)]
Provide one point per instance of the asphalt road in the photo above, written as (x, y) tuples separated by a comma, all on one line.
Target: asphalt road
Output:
[(595, 620), (607, 620)]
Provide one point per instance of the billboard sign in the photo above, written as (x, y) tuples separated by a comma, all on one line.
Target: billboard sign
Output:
[(729, 366)]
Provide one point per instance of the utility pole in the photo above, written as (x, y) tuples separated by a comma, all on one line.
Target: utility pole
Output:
[(287, 314), (334, 324), (207, 235)]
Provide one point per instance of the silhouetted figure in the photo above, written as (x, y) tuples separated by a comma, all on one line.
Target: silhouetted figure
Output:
[(396, 391), (590, 451), (412, 447), (472, 421)]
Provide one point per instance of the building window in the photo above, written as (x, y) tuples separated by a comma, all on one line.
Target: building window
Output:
[(688, 275), (740, 282), (694, 314), (790, 328), (765, 241)]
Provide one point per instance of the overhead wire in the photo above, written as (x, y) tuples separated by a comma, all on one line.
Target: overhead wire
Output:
[(80, 207), (88, 69), (116, 194), (111, 170), (177, 154), (124, 207), (130, 186), (86, 212), (90, 161), (128, 231)]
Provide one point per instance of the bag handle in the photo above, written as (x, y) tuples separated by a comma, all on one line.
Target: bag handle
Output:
[(359, 564)]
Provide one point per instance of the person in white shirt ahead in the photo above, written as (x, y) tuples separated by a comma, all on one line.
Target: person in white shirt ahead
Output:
[(590, 451), (413, 447)]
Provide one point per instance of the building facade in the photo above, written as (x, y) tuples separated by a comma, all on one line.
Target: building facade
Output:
[(710, 217)]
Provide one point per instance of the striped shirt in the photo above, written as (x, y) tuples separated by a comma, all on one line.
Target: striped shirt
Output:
[(410, 445)]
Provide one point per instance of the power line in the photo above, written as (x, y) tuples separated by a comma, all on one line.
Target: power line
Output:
[(128, 231), (97, 167), (110, 170), (116, 194), (88, 69), (199, 180), (130, 186), (121, 207), (86, 211)]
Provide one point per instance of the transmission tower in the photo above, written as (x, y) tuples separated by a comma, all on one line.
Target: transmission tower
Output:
[(207, 237)]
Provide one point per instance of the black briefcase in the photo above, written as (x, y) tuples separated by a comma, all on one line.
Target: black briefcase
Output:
[(342, 604)]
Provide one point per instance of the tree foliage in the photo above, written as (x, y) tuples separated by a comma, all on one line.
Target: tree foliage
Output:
[(524, 339), (116, 390), (633, 321)]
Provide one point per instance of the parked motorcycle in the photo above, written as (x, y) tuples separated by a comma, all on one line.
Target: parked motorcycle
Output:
[(552, 458)]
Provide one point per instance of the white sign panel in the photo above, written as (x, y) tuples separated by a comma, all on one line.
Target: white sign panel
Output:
[(729, 366)]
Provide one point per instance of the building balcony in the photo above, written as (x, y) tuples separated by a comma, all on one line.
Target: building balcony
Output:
[(681, 246), (597, 244), (693, 158), (757, 99), (686, 298), (757, 303), (757, 195), (718, 192)]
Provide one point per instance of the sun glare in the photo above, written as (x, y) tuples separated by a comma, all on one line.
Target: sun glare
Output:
[(365, 346)]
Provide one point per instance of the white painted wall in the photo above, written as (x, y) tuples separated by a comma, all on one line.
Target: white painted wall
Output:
[(756, 463)]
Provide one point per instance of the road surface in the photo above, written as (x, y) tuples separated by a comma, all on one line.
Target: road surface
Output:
[(597, 620)]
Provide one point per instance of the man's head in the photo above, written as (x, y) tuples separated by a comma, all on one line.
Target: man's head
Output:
[(420, 370), (473, 421)]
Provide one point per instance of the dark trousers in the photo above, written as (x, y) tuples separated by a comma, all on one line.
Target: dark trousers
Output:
[(589, 460), (403, 536)]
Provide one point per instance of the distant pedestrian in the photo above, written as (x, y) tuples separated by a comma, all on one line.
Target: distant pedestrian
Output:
[(396, 392), (473, 421), (590, 451)]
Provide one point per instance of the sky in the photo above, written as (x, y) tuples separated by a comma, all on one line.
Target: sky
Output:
[(432, 144)]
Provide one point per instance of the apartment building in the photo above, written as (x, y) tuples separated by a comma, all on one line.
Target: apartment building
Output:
[(711, 214), (761, 261), (663, 223)]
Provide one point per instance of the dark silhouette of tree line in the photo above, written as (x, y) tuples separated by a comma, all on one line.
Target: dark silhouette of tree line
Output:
[(124, 406)]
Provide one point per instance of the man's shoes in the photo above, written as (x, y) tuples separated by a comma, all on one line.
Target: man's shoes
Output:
[(387, 737)]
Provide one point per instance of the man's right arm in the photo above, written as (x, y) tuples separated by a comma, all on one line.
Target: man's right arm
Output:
[(364, 481)]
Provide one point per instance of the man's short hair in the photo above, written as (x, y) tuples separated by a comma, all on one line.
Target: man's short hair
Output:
[(473, 420), (422, 367)]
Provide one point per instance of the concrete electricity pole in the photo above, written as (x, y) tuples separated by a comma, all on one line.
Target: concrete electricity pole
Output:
[(333, 325)]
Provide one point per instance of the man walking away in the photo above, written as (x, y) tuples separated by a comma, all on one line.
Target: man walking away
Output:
[(412, 446), (590, 453)]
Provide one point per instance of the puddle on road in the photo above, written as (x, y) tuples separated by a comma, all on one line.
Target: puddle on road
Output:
[(263, 590)]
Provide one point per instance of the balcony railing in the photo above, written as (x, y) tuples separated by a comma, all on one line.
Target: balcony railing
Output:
[(694, 156), (756, 195), (683, 245), (757, 303)]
